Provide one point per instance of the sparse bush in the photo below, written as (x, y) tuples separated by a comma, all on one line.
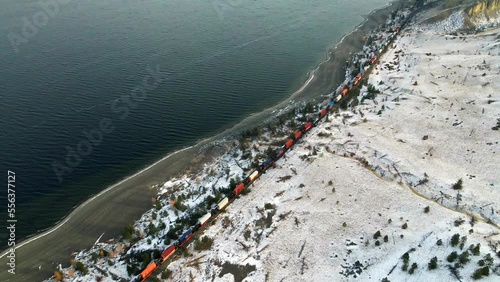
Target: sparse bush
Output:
[(432, 264), (58, 275), (165, 274), (480, 272), (488, 260), (247, 234), (204, 244), (427, 209), (463, 240), (464, 258), (385, 280), (269, 206), (406, 261), (128, 232), (458, 185), (452, 257), (413, 267), (80, 267), (476, 250)]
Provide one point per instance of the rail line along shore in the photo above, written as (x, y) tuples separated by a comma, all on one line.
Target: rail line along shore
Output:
[(189, 207), (203, 227), (79, 230)]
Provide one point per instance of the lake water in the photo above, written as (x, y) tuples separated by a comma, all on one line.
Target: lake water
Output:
[(142, 79)]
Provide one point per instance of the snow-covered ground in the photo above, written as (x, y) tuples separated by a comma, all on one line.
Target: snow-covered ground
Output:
[(372, 168), (387, 161)]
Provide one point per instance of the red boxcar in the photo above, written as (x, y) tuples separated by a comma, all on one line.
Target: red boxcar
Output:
[(289, 143), (167, 253), (323, 113), (308, 126), (373, 60), (148, 270), (298, 134), (239, 188)]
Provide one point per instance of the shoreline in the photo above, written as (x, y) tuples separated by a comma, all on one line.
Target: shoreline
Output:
[(316, 85)]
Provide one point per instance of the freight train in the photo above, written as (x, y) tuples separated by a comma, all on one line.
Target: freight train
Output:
[(254, 175)]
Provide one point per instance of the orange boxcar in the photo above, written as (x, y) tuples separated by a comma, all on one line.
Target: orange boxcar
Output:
[(344, 92), (289, 143), (148, 270)]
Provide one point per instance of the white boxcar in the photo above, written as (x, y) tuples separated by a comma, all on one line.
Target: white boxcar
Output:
[(204, 219), (223, 203), (253, 175)]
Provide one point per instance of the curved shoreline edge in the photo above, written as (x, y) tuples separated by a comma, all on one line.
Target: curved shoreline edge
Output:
[(68, 217), (308, 90)]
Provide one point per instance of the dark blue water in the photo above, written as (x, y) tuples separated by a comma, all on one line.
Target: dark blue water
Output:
[(218, 60)]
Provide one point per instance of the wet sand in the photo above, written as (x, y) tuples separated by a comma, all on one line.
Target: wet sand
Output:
[(126, 201)]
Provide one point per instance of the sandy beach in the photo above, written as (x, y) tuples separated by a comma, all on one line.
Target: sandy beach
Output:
[(108, 213)]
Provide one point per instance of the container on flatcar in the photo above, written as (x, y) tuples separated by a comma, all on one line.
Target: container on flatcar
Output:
[(185, 237), (330, 105), (338, 98), (279, 152), (267, 163)]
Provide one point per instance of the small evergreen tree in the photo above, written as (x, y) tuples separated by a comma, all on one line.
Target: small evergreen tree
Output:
[(432, 264), (413, 267), (458, 185), (452, 257), (455, 239), (476, 250), (464, 258)]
